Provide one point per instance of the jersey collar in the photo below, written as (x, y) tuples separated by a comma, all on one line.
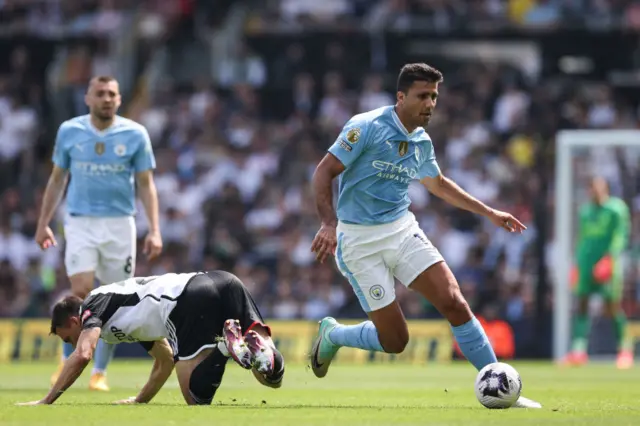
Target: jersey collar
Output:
[(102, 132), (399, 124)]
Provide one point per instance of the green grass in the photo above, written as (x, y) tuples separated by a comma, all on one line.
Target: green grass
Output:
[(362, 395)]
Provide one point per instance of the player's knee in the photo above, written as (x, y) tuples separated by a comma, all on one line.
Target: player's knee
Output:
[(81, 284), (81, 290)]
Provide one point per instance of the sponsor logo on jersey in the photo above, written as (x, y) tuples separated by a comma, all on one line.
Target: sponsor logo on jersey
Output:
[(86, 314), (396, 169), (345, 145), (96, 169), (121, 335)]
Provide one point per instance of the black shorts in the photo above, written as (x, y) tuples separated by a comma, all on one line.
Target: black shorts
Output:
[(208, 300)]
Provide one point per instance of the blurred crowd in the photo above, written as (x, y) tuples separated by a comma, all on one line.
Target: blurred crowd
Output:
[(234, 178), (444, 15)]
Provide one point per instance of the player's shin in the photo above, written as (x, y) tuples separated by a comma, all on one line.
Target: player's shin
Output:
[(474, 343), (580, 332), (620, 323), (207, 377), (67, 350)]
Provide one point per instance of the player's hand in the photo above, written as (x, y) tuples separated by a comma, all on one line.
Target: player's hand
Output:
[(129, 401), (45, 238), (324, 242), (507, 221), (152, 245), (25, 404)]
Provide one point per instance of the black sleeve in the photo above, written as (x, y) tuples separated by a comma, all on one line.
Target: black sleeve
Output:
[(93, 311), (147, 345)]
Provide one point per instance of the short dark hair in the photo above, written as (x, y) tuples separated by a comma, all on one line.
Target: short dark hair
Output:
[(103, 78), (63, 310), (417, 72)]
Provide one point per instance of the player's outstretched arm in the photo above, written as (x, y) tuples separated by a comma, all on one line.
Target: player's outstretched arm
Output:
[(325, 241), (73, 366), (449, 191), (162, 368)]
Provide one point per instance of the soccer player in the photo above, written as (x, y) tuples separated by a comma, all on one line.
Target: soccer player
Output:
[(374, 236), (104, 154), (603, 235), (203, 314)]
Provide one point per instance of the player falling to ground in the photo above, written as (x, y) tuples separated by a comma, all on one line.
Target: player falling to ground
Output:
[(603, 234), (375, 238), (203, 315), (104, 154)]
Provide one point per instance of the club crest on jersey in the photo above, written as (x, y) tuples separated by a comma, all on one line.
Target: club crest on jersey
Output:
[(99, 148), (353, 135), (120, 150), (403, 147)]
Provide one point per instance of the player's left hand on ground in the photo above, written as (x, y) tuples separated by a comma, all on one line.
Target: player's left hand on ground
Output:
[(152, 245), (24, 404), (324, 242), (507, 221), (129, 401)]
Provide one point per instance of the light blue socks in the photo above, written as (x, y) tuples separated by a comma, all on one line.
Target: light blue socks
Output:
[(474, 343), (470, 336), (104, 354), (361, 336), (67, 350)]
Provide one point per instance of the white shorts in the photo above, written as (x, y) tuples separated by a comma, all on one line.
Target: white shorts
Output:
[(371, 256), (104, 245)]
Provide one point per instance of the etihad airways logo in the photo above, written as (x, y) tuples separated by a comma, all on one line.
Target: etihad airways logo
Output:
[(393, 171), (96, 169)]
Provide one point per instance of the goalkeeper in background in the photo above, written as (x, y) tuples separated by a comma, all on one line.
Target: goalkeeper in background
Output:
[(603, 235)]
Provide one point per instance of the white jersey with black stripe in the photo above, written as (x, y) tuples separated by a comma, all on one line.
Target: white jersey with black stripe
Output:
[(135, 310)]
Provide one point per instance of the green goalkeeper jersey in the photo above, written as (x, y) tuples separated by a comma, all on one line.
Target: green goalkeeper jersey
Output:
[(604, 229)]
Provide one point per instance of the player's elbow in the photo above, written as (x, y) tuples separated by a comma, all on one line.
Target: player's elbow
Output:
[(165, 365), (84, 357)]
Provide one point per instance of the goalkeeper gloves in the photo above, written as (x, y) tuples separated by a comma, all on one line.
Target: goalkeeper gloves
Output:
[(603, 270)]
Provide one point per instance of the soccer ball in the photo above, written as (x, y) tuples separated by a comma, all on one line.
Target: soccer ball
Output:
[(498, 385)]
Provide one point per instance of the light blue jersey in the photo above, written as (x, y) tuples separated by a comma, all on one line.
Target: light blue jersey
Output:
[(381, 158), (102, 165)]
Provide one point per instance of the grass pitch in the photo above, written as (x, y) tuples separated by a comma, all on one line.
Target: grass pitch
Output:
[(349, 395)]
